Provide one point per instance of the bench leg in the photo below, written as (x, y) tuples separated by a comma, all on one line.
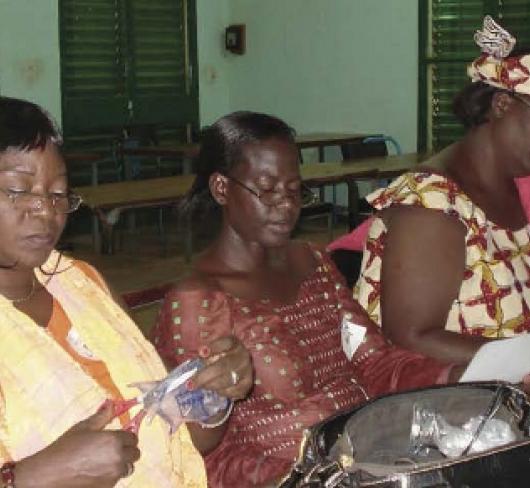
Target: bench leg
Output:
[(96, 234)]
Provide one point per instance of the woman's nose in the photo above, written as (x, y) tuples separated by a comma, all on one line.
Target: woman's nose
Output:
[(41, 205)]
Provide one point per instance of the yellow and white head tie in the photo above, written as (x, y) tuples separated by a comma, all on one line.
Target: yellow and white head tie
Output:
[(495, 66)]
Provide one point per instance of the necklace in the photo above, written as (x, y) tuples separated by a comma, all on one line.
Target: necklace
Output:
[(29, 295)]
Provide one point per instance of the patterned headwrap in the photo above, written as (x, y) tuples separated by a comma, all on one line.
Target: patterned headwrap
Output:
[(495, 66)]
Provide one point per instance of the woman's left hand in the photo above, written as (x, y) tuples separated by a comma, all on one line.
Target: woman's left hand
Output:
[(228, 369)]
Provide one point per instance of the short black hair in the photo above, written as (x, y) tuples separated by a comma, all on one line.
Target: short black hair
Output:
[(472, 104), (25, 126), (222, 144)]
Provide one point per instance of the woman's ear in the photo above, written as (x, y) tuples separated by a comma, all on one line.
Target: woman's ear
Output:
[(500, 103), (218, 187)]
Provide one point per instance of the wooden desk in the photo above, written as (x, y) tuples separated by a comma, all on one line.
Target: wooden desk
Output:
[(189, 151), (350, 172), (318, 139), (185, 151), (89, 158), (135, 193), (321, 140), (380, 167), (107, 200)]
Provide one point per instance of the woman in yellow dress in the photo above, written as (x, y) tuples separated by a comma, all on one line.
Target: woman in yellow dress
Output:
[(66, 345)]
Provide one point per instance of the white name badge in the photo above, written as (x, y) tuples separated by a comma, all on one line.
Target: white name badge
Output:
[(352, 337)]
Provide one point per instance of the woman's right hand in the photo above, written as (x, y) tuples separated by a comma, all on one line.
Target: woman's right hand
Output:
[(229, 370), (86, 456)]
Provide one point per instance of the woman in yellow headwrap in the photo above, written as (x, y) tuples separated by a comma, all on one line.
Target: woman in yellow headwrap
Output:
[(446, 265)]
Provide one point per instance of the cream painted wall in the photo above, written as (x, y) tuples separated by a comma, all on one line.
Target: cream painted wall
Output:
[(352, 66), (30, 58), (29, 52), (330, 64), (214, 91)]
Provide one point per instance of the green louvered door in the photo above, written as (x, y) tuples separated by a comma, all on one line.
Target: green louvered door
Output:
[(127, 62), (515, 16), (160, 78), (446, 48), (93, 65)]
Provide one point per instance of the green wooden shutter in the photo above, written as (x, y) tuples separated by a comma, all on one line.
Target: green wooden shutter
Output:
[(94, 93), (514, 15), (126, 63), (446, 48), (160, 83)]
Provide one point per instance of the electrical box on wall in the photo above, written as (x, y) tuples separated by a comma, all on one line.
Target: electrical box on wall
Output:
[(235, 38)]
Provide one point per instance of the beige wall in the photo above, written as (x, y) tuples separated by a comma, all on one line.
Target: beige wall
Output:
[(320, 64), (29, 52), (330, 64), (214, 99)]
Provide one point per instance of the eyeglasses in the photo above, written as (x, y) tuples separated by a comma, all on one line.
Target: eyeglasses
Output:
[(303, 195), (26, 201)]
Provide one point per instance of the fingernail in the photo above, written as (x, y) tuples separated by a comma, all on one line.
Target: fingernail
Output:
[(190, 385), (204, 351)]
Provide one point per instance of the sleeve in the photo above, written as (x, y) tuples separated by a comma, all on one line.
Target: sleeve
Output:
[(188, 320), (4, 453), (380, 366), (426, 190)]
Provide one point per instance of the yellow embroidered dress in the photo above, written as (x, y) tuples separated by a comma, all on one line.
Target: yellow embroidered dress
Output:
[(494, 296), (44, 391)]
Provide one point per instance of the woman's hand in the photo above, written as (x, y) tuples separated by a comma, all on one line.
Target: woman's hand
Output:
[(229, 372), (86, 456), (228, 369)]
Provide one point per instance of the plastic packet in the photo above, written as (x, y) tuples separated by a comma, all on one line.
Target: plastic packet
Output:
[(430, 429), (173, 402)]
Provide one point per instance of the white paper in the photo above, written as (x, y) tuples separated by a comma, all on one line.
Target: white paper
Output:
[(504, 359), (352, 336)]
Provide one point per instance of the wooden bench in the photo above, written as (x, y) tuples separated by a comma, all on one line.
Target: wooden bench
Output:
[(107, 201)]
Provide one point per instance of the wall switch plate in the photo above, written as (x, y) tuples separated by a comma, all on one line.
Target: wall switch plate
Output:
[(235, 41)]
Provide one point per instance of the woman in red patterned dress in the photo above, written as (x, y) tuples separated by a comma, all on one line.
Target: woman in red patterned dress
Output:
[(282, 301), (447, 261)]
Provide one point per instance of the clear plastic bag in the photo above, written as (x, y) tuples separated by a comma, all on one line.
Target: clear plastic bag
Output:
[(430, 430), (173, 402)]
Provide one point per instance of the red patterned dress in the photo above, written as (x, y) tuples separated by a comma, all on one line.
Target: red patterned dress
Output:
[(301, 372), (494, 297)]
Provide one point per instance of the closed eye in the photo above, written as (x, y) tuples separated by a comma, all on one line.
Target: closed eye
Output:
[(294, 187)]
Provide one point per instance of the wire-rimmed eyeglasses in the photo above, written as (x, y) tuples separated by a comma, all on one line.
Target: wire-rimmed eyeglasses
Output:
[(26, 201), (302, 195)]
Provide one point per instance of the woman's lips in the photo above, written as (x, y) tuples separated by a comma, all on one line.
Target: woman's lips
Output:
[(281, 227), (38, 241)]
